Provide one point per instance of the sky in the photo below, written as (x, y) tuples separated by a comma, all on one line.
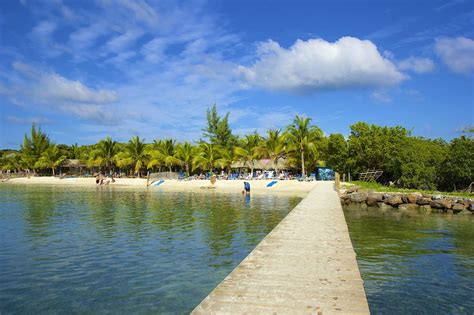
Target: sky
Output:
[(84, 70)]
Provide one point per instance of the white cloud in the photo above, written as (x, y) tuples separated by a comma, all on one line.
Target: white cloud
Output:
[(43, 30), (54, 86), (123, 41), (381, 97), (457, 53), (320, 65), (31, 86), (417, 64), (27, 121)]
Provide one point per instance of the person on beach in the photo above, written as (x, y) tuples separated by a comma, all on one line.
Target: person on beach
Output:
[(247, 187)]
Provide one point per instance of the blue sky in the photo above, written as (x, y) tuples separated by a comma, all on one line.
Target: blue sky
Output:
[(88, 69)]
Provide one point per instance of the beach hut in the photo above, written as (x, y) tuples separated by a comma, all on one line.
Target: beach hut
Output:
[(73, 166)]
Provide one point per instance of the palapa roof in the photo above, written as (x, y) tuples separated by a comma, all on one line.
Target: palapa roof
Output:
[(262, 164), (73, 163)]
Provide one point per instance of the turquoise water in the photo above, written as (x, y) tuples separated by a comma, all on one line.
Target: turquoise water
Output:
[(415, 264), (123, 251)]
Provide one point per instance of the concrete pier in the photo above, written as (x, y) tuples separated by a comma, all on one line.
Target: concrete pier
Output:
[(306, 264)]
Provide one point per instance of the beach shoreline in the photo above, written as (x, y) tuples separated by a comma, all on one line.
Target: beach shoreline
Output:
[(287, 187)]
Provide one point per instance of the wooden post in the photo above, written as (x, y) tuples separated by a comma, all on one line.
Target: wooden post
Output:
[(338, 181)]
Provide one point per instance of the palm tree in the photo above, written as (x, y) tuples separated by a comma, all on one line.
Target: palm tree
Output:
[(162, 152), (207, 156), (247, 150), (274, 147), (105, 153), (184, 153), (225, 159), (51, 158), (135, 155), (302, 135)]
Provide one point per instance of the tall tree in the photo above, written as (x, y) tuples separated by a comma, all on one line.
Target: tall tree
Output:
[(135, 155), (246, 150), (218, 130), (458, 168), (34, 146), (207, 156), (184, 153), (302, 135), (51, 158), (337, 152), (105, 152), (273, 147)]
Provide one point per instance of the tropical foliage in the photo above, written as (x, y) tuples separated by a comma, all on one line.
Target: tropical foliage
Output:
[(406, 161)]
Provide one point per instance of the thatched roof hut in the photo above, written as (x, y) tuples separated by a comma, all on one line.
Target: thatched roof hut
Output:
[(73, 163), (262, 164)]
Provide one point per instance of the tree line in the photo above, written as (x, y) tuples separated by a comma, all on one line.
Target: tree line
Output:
[(407, 161)]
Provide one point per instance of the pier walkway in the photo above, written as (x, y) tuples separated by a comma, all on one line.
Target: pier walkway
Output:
[(306, 264)]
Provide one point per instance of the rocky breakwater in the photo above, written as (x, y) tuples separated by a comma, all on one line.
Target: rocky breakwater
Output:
[(355, 197)]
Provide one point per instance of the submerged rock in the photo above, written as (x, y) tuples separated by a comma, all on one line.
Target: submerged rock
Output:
[(424, 209), (409, 207), (458, 207), (384, 207)]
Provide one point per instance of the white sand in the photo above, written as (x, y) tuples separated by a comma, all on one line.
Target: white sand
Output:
[(288, 187)]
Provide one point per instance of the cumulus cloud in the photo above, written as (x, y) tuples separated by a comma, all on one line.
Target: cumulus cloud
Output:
[(417, 64), (51, 90), (457, 53), (320, 65)]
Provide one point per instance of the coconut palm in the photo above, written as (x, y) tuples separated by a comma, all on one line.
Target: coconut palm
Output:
[(51, 158), (302, 135), (247, 150), (225, 159), (274, 147), (207, 156), (135, 155), (184, 153), (104, 154)]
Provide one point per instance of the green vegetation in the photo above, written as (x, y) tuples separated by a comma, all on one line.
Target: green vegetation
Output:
[(381, 188), (407, 162)]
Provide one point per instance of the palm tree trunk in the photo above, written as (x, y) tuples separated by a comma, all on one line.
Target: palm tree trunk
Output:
[(187, 169), (303, 173), (52, 168), (276, 166)]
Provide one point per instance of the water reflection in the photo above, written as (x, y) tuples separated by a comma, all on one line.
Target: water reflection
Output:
[(413, 263), (112, 250)]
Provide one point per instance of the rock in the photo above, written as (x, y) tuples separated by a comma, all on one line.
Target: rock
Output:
[(394, 200), (358, 197), (425, 209), (387, 196), (373, 198), (458, 207), (413, 198), (471, 206), (352, 189), (436, 197), (409, 207), (424, 201), (441, 204), (449, 211), (371, 201), (383, 206), (465, 212)]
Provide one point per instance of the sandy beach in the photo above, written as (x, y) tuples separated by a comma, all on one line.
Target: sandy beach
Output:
[(292, 187)]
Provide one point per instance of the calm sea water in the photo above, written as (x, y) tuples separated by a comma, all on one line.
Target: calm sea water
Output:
[(415, 264), (110, 250)]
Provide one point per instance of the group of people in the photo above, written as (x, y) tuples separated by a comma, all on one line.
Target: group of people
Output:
[(102, 180)]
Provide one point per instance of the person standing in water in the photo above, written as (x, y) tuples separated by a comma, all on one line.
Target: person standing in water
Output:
[(247, 187)]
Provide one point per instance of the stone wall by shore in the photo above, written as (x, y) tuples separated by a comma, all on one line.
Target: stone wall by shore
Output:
[(423, 203)]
